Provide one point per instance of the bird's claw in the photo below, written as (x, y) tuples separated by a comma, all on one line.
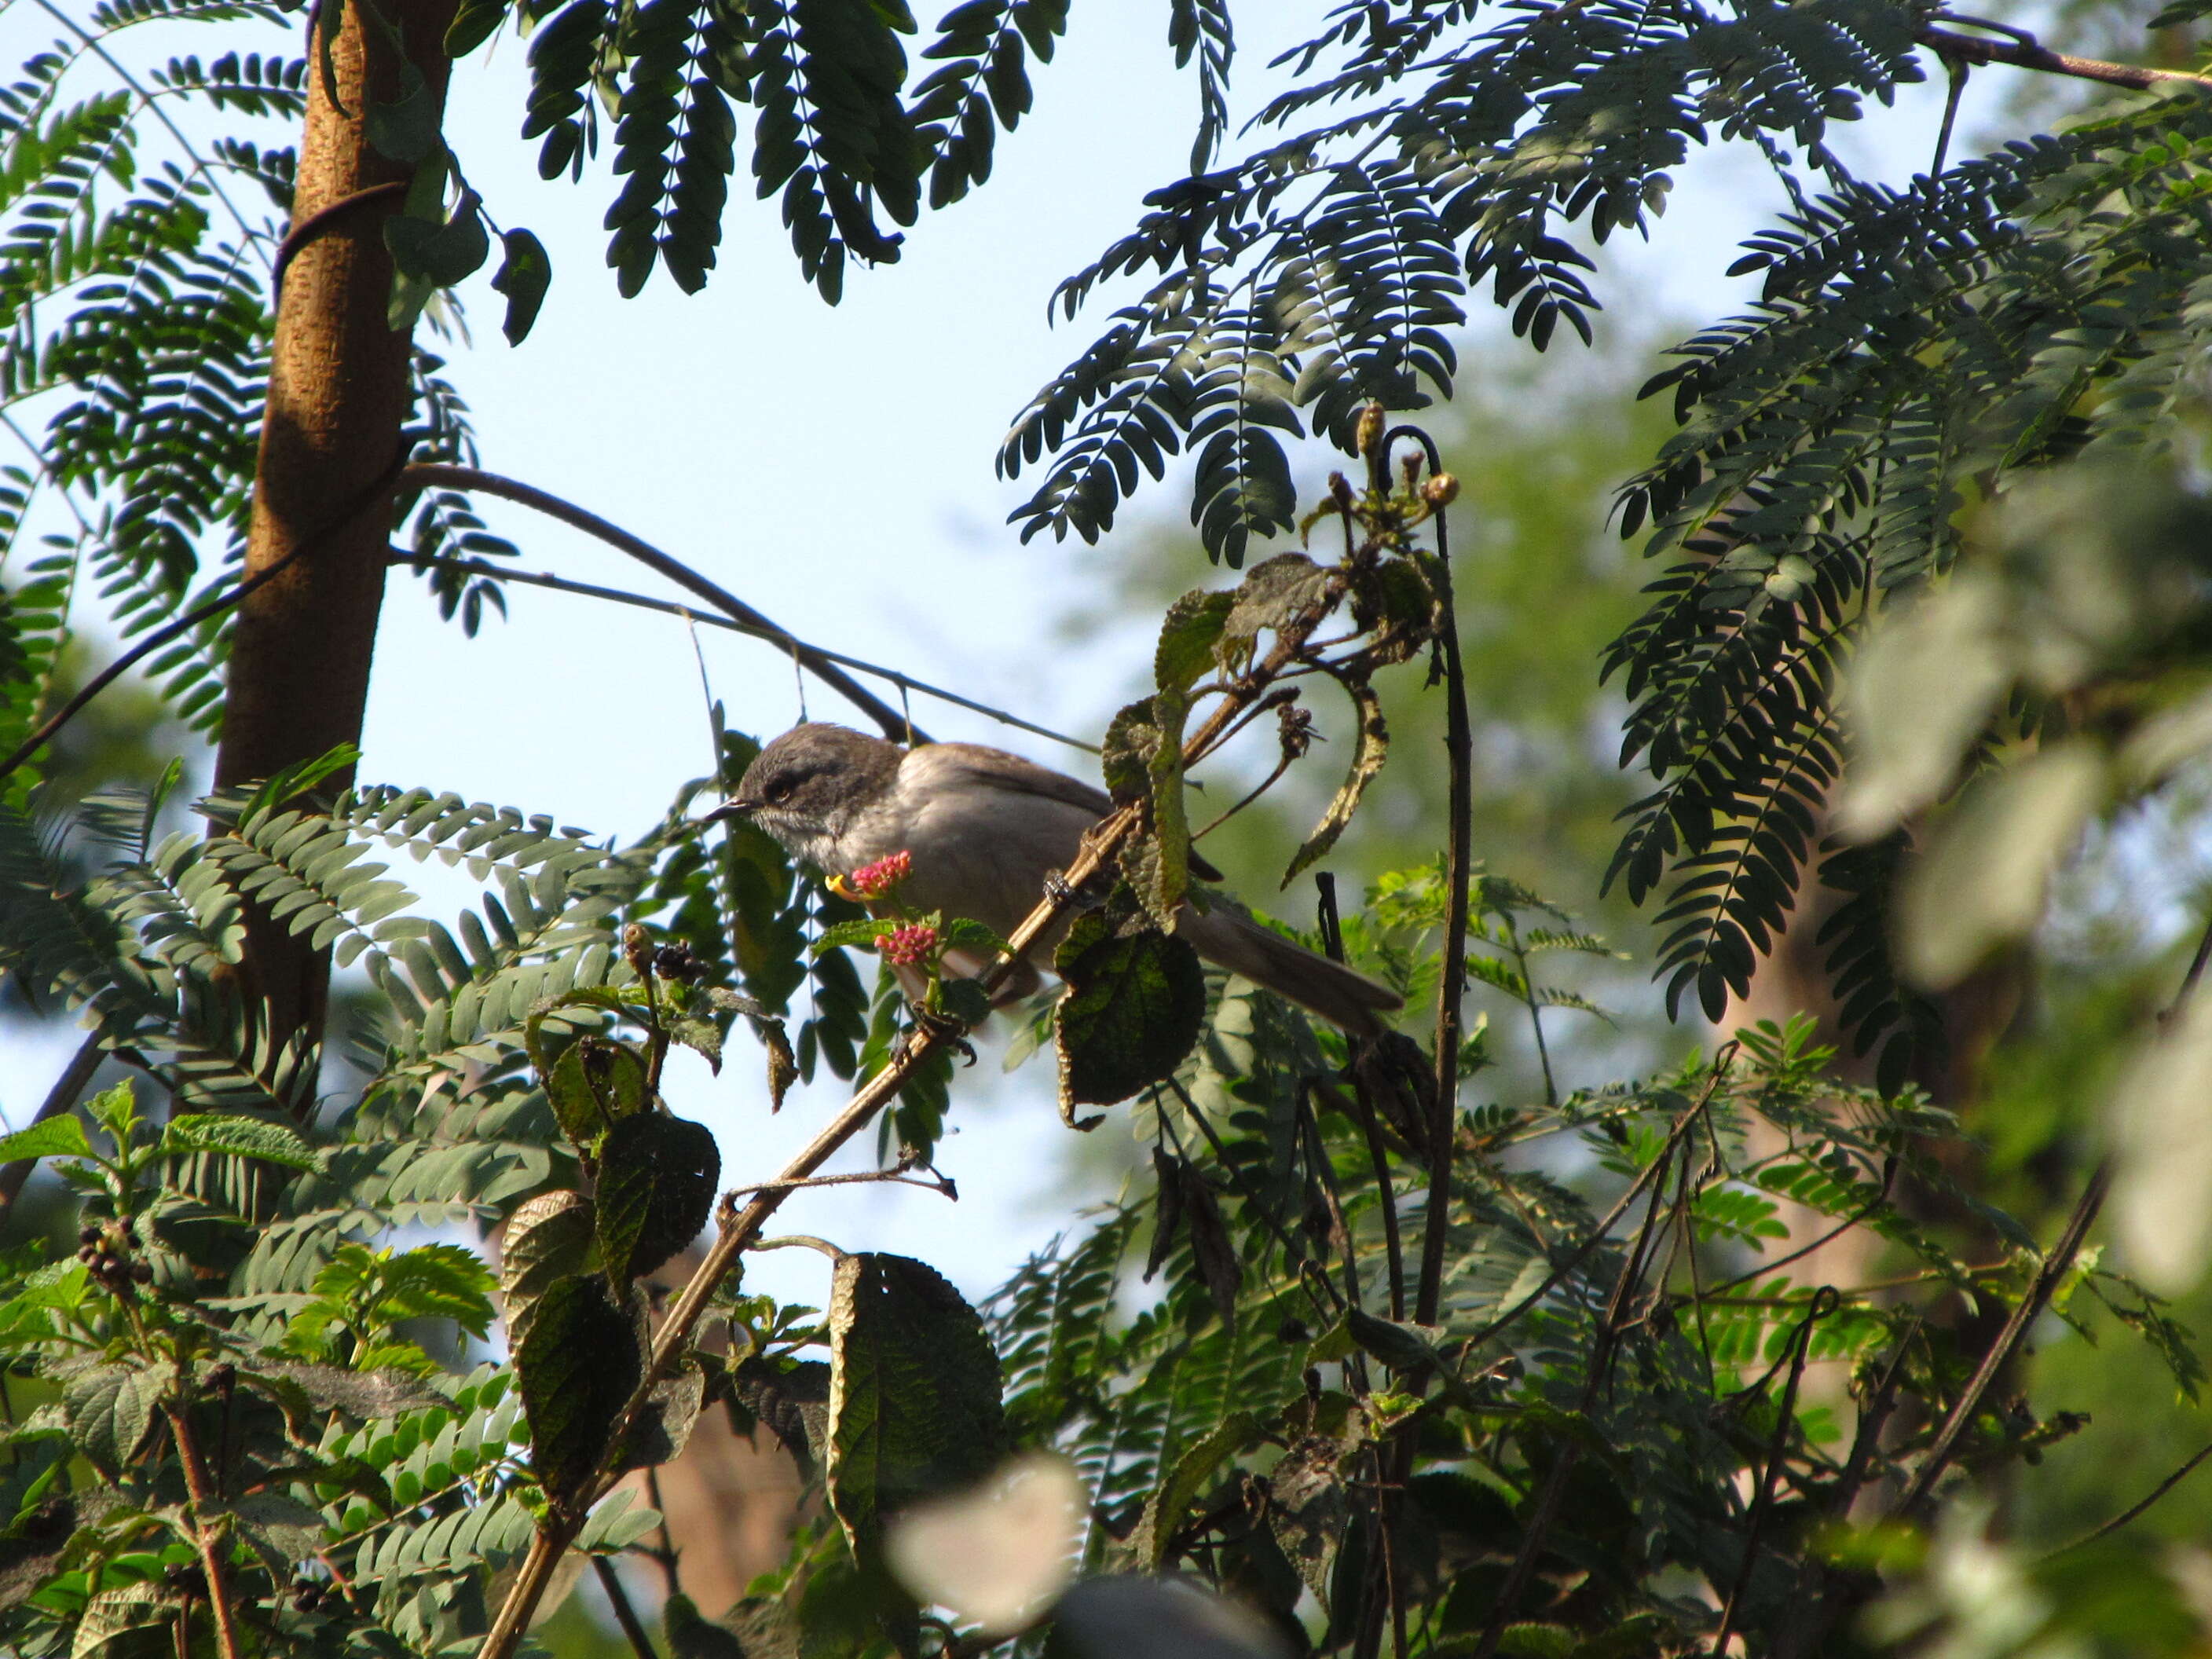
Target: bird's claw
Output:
[(942, 1027), (1056, 888)]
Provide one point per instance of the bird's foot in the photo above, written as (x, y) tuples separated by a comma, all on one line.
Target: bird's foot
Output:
[(941, 1026)]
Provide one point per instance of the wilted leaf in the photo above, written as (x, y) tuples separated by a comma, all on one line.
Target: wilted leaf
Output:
[(1134, 1003), (1188, 636), (782, 1066), (1211, 1246), (1276, 594), (577, 1365), (915, 1406), (546, 1240), (1125, 761), (110, 1406), (1367, 758), (32, 1547), (279, 1528), (1402, 1348), (663, 1428), (1183, 1485), (657, 1179), (1309, 1509), (997, 1555), (312, 1393), (793, 1401), (1984, 882), (1167, 1209)]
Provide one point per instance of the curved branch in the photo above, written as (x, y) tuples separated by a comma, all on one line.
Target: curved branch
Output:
[(669, 608), (427, 474)]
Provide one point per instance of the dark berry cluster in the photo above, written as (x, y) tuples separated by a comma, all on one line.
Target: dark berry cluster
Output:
[(677, 961), (108, 1249), (313, 1596), (186, 1578)]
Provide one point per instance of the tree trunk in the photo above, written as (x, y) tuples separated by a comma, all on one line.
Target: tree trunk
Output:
[(337, 398)]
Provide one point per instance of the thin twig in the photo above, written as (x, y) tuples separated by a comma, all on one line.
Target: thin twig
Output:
[(670, 608), (2056, 1266), (942, 1185), (625, 1615), (2134, 1510), (438, 475), (379, 490)]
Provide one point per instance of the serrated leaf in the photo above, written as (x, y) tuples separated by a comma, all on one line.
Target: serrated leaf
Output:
[(1274, 594), (577, 1365), (792, 1400), (657, 1178), (1309, 1509), (1132, 737), (110, 1406), (57, 1137), (1372, 750), (1183, 1484), (279, 1528), (1133, 1002), (117, 1612), (663, 1428), (915, 1406), (547, 1240), (241, 1137)]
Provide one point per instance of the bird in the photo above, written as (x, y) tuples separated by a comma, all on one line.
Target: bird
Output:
[(984, 830)]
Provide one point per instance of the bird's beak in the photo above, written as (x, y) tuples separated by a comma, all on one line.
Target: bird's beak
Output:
[(735, 807)]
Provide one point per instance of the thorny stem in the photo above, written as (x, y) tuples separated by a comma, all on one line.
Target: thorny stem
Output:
[(207, 1537), (1100, 847)]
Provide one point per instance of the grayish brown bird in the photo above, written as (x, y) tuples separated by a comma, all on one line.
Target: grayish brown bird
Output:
[(985, 829)]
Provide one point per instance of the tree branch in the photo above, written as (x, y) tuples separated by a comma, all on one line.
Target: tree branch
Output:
[(431, 475), (2023, 50), (669, 608)]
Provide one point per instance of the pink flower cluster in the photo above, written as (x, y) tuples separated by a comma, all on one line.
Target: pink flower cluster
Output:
[(908, 946), (874, 880)]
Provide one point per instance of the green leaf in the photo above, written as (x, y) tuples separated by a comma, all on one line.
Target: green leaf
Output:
[(1188, 636), (1374, 748), (1183, 1484), (914, 1393), (1276, 594), (406, 129), (279, 1528), (792, 1398), (595, 1084), (861, 931), (240, 1136), (1136, 998), (1157, 861), (577, 1365), (110, 1406), (57, 1137), (474, 22), (1132, 737), (547, 1240), (657, 1179), (663, 1425), (442, 252), (526, 270)]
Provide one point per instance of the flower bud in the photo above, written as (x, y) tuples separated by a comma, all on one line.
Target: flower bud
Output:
[(908, 946), (637, 949), (1441, 490), (1369, 429)]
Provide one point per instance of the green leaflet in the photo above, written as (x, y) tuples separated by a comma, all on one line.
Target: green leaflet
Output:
[(657, 1176), (242, 1137), (914, 1393), (594, 1084), (57, 1137), (1182, 1483)]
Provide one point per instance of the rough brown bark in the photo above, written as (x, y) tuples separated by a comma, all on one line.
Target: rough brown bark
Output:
[(337, 397)]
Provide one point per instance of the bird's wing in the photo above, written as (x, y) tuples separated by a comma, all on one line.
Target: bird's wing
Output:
[(996, 769)]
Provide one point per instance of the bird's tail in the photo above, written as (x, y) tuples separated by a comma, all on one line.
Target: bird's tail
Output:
[(1336, 993)]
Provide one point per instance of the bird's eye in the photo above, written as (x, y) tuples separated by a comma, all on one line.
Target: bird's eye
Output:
[(778, 793)]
